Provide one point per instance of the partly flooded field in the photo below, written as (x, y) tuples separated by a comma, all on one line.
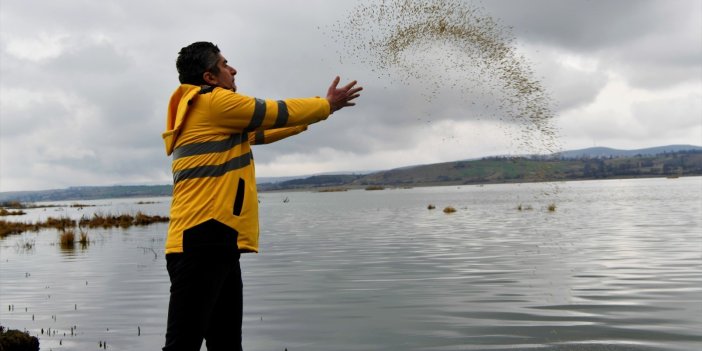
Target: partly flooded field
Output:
[(617, 265)]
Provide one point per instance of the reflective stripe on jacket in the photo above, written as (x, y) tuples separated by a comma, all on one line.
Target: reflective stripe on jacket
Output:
[(208, 133)]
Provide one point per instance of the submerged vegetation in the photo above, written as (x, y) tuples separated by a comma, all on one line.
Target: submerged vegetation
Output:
[(83, 241), (25, 245), (449, 209), (524, 207)]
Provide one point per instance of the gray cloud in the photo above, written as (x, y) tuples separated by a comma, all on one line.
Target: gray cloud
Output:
[(653, 43), (585, 25)]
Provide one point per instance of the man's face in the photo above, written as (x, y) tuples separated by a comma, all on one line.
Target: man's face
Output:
[(225, 77)]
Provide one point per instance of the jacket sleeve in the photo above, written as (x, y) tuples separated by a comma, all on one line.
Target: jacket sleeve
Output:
[(231, 112), (261, 137)]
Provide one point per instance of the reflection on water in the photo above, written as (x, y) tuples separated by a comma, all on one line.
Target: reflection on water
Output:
[(617, 266)]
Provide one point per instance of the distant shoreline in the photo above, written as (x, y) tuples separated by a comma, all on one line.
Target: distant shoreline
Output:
[(44, 198), (589, 164)]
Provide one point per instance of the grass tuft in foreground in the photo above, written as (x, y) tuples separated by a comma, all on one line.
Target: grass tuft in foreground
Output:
[(17, 340)]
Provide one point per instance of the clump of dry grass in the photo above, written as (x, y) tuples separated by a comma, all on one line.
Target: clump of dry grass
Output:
[(122, 221), (4, 212), (99, 220), (375, 187), (66, 224), (143, 219), (449, 209), (8, 228), (552, 207), (61, 223), (332, 190), (67, 238), (12, 205)]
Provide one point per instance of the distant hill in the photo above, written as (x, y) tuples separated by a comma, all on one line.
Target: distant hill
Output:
[(591, 163), (596, 152), (595, 163), (88, 193), (536, 169)]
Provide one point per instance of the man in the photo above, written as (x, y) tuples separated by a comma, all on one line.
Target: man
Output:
[(214, 213)]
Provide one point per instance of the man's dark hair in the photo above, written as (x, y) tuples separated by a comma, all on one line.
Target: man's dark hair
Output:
[(196, 59)]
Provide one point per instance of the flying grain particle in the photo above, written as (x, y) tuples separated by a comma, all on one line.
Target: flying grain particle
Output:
[(453, 44)]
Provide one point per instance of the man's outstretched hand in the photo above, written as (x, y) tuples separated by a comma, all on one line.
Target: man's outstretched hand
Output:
[(341, 97)]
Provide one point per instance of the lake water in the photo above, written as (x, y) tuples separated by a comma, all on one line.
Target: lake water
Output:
[(617, 266)]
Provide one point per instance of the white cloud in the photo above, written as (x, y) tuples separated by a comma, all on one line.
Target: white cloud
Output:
[(38, 48), (626, 117)]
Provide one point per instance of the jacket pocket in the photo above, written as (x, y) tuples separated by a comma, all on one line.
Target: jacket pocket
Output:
[(239, 198)]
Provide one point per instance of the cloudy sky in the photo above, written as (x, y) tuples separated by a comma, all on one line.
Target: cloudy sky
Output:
[(84, 84)]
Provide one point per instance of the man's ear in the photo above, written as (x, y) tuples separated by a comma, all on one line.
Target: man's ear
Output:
[(209, 78)]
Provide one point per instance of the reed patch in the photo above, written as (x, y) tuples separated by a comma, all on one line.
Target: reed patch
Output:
[(66, 224)]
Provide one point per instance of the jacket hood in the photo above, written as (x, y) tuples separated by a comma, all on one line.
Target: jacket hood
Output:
[(178, 106)]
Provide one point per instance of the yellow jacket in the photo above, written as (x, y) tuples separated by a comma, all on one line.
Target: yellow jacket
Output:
[(208, 133)]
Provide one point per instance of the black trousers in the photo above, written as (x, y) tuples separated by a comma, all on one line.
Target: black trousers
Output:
[(206, 301)]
